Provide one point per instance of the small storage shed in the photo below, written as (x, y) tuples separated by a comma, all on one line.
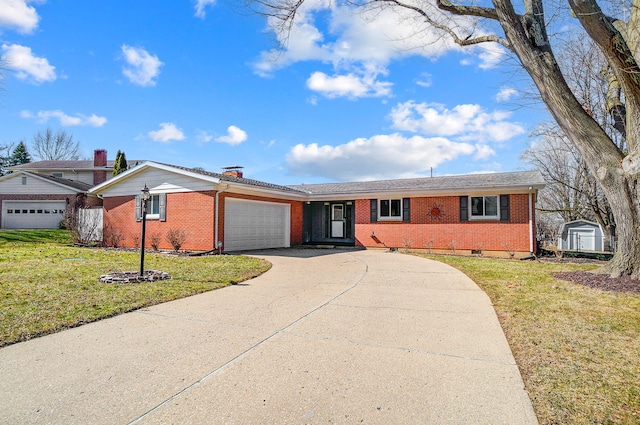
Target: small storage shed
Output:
[(581, 235)]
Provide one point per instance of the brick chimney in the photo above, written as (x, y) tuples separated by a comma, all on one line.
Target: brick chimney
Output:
[(99, 161), (233, 171)]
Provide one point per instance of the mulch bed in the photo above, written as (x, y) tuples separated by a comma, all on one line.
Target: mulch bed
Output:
[(602, 281), (133, 277)]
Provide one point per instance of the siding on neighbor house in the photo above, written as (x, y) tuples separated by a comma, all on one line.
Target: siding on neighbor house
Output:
[(34, 185), (193, 212), (445, 230)]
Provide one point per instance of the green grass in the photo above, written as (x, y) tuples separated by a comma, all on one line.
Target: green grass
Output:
[(35, 236), (47, 285), (578, 349)]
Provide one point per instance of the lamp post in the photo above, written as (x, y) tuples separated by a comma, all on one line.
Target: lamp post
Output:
[(143, 205)]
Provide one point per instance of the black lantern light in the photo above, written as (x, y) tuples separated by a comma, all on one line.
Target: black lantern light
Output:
[(143, 205)]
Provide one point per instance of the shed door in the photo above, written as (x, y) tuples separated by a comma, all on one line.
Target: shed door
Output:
[(32, 214), (255, 225), (582, 239)]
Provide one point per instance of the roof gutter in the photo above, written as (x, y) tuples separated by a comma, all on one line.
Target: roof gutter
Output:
[(531, 235)]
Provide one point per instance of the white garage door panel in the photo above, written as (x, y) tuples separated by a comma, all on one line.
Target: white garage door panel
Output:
[(255, 225), (32, 214)]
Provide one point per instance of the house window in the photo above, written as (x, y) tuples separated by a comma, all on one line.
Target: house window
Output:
[(390, 209), (484, 207), (153, 207), (24, 180), (57, 175), (156, 207)]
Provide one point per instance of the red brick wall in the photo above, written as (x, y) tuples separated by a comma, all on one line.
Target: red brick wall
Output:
[(445, 231), (193, 212), (99, 160)]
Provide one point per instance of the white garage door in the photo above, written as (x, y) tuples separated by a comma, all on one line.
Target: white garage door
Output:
[(255, 225), (32, 214)]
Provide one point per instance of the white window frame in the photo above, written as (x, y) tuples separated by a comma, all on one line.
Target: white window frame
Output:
[(484, 215), (153, 200), (389, 217)]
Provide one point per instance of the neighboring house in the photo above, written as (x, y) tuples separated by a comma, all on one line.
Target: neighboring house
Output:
[(492, 214), (39, 194), (581, 235)]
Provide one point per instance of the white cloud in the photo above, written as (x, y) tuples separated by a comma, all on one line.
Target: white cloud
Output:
[(361, 40), (234, 136), (491, 54), (378, 157), (168, 132), (483, 152), (200, 6), (142, 67), (18, 15), (425, 80), (66, 120), (204, 137), (27, 66), (465, 122), (505, 94), (349, 85)]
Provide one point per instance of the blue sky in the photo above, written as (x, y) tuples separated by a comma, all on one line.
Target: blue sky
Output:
[(193, 83)]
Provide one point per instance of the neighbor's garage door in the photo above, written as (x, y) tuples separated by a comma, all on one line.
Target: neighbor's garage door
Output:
[(255, 225), (32, 214)]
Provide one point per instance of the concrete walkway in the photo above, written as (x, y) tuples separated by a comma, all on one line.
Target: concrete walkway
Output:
[(326, 336)]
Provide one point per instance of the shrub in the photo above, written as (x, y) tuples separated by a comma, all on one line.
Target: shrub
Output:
[(154, 240), (136, 240), (176, 238), (112, 237)]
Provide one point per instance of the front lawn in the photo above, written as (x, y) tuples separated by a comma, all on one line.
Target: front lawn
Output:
[(47, 285), (578, 349)]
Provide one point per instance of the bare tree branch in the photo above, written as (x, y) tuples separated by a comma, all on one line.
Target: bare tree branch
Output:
[(57, 146)]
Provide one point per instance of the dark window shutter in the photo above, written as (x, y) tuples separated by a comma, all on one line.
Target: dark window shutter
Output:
[(464, 208), (138, 208), (162, 203), (374, 211), (406, 210), (504, 208)]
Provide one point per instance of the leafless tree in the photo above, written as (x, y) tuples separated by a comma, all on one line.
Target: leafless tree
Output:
[(55, 146), (523, 29), (572, 191), (5, 158)]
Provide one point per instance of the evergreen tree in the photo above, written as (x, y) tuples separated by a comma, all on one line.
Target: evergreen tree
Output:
[(120, 164), (20, 155), (123, 163)]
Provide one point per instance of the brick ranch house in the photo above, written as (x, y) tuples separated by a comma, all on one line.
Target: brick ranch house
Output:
[(492, 214)]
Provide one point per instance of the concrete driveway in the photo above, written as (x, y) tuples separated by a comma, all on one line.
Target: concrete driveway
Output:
[(326, 336)]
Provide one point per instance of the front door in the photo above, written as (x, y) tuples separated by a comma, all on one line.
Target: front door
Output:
[(337, 221)]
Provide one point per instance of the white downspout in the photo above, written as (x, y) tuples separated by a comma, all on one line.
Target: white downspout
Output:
[(531, 239), (217, 244)]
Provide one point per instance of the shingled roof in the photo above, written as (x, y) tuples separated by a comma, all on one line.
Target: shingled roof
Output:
[(73, 184), (61, 165), (435, 184), (240, 180)]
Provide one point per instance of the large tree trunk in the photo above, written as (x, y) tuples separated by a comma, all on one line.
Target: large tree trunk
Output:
[(620, 184)]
